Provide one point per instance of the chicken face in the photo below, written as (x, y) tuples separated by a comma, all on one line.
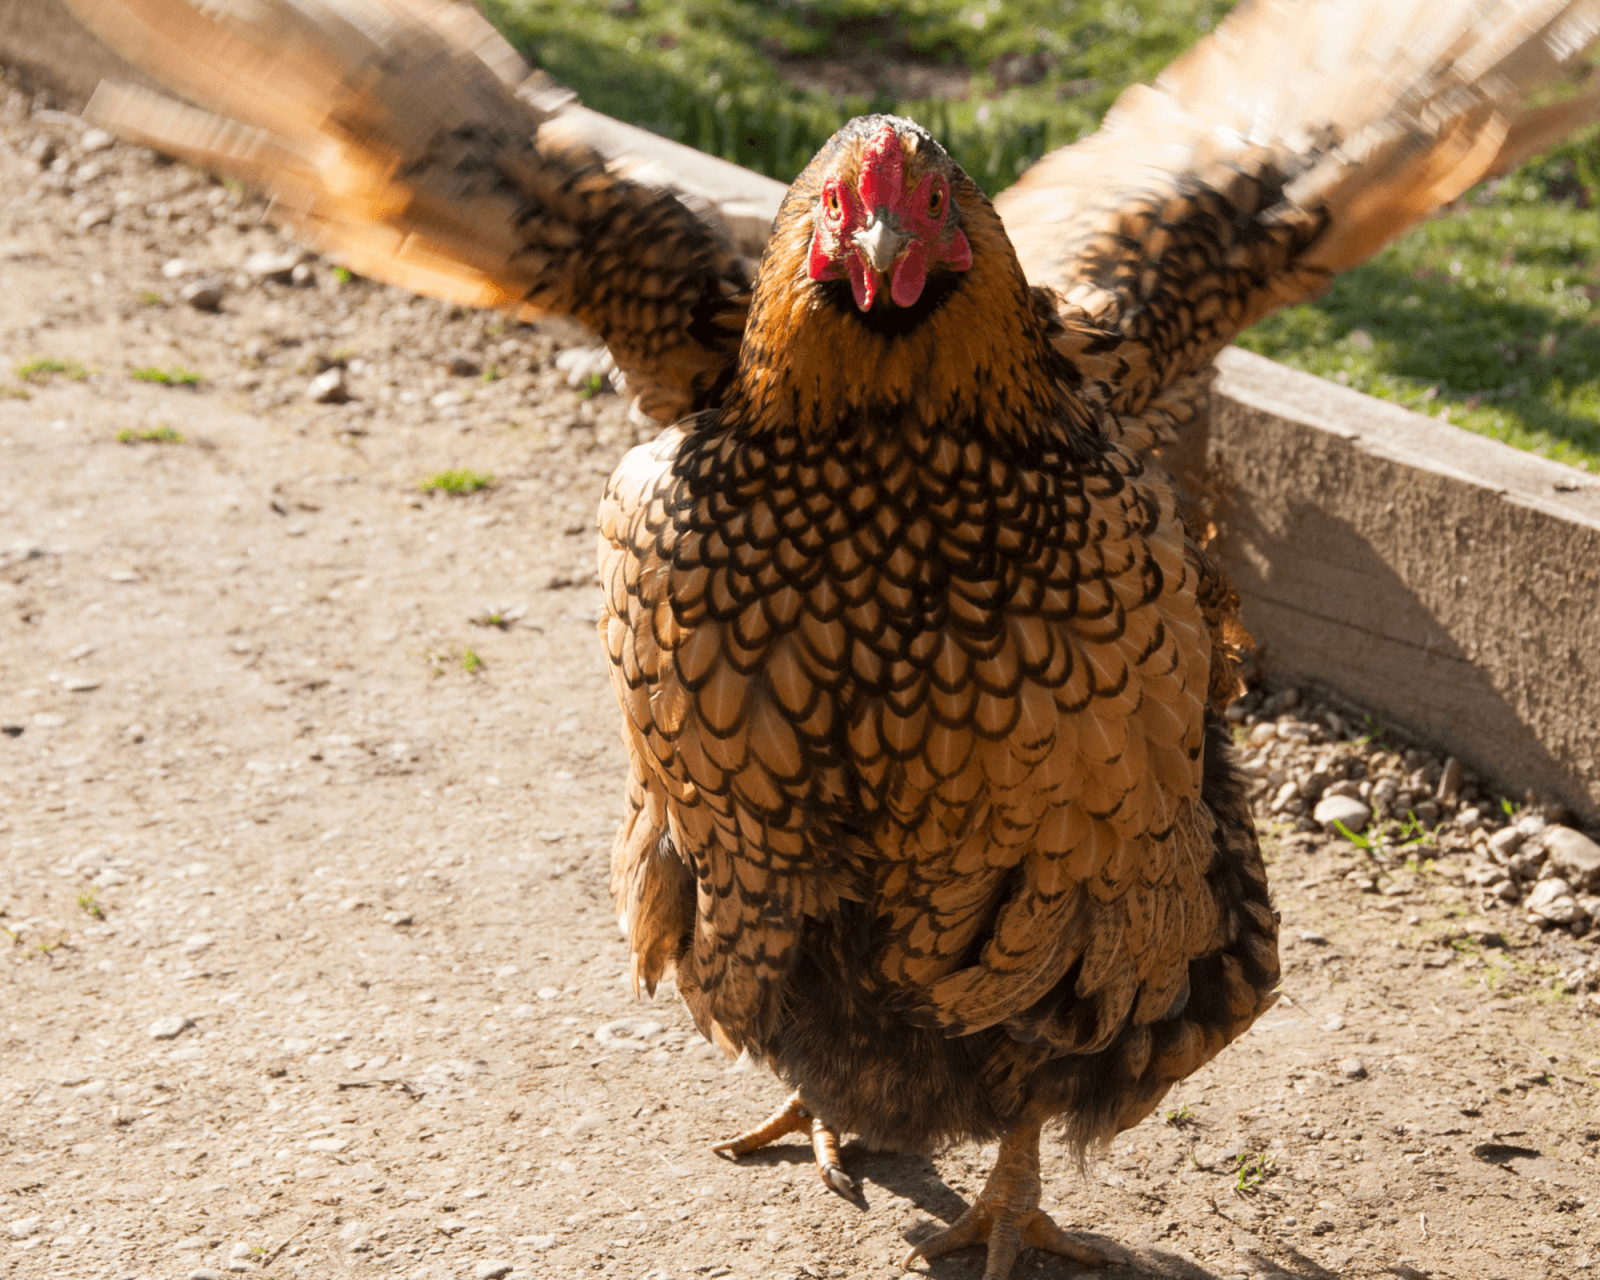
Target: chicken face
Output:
[(888, 213)]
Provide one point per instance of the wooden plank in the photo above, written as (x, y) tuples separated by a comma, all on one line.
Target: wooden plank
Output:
[(1446, 582)]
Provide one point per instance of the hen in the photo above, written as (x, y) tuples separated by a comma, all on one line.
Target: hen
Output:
[(928, 806)]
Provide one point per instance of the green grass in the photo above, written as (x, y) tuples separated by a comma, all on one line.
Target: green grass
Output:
[(1483, 316), (41, 369), (708, 72), (153, 435), (174, 377), (1486, 318), (458, 481)]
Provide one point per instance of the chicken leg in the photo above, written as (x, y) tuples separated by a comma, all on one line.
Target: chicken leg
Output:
[(1006, 1214), (795, 1117)]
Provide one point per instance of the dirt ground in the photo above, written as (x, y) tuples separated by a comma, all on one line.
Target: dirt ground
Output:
[(311, 967)]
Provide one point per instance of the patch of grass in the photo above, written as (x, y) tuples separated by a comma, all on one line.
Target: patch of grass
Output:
[(16, 393), (40, 370), (1180, 1117), (90, 902), (174, 377), (492, 373), (1487, 319), (1037, 74), (592, 386), (150, 298), (343, 275), (162, 434), (463, 481), (1360, 839), (471, 663), (1251, 1172)]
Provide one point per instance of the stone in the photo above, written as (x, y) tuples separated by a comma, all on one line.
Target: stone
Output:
[(202, 295), (94, 216), (331, 1146), (1353, 813), (277, 267), (1552, 900), (169, 1028), (1449, 789), (94, 140), (48, 719), (206, 1273), (1286, 795), (22, 1228), (328, 387), (448, 400), (1335, 1023), (1504, 843), (174, 268), (79, 684), (1352, 1068), (581, 364), (1468, 819), (462, 365), (491, 1270), (1263, 733), (1574, 857)]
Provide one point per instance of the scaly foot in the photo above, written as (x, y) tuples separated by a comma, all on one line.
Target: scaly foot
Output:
[(1006, 1215), (795, 1117)]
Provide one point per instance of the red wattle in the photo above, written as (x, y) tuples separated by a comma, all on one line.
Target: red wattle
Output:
[(863, 283), (910, 274)]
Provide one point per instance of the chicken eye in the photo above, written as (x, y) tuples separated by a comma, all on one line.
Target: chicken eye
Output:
[(830, 200), (936, 201)]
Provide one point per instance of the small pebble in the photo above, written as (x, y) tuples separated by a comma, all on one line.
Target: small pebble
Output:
[(94, 140), (330, 1145), (1341, 809), (169, 1028), (1552, 900), (328, 387), (491, 1270), (202, 295), (1574, 856), (277, 267), (80, 684), (22, 1228), (1352, 1068)]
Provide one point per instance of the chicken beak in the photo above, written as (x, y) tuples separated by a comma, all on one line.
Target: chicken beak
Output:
[(880, 242)]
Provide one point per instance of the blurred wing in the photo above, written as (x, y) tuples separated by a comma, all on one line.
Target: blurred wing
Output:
[(1292, 143), (390, 137)]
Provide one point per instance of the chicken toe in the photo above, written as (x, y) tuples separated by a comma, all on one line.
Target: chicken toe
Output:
[(1006, 1215), (795, 1117)]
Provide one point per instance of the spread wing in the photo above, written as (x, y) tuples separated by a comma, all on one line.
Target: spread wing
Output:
[(392, 137), (1292, 143)]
